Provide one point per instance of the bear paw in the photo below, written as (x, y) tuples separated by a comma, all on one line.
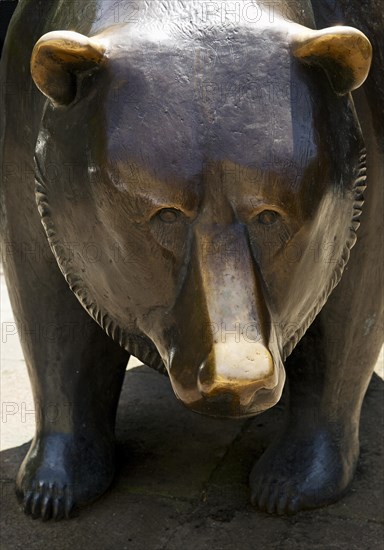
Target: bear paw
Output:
[(299, 473), (61, 473)]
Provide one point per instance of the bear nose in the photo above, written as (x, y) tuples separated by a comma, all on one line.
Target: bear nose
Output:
[(237, 369)]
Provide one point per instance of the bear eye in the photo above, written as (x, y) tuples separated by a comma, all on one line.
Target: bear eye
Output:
[(267, 217), (169, 215)]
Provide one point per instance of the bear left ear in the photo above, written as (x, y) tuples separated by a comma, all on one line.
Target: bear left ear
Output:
[(56, 60), (344, 53)]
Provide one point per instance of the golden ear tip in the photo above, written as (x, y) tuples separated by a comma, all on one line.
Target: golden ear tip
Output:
[(346, 50), (57, 56)]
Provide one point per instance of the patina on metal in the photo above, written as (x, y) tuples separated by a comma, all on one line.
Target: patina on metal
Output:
[(202, 210)]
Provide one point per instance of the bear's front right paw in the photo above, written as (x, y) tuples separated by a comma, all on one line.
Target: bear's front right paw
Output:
[(62, 472)]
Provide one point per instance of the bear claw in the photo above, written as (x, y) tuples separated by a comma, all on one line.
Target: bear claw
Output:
[(274, 498), (49, 501)]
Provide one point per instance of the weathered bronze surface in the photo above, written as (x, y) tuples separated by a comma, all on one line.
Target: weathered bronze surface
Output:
[(199, 176)]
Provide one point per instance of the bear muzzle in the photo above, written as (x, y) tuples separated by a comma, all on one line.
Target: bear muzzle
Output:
[(235, 380)]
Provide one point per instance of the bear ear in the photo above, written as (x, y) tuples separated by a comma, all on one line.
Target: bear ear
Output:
[(344, 53), (57, 58)]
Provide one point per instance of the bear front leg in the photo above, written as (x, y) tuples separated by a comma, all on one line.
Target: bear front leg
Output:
[(76, 382), (76, 373), (313, 459), (312, 462)]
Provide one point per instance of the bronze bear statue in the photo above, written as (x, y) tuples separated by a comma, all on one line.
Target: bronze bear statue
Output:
[(199, 175)]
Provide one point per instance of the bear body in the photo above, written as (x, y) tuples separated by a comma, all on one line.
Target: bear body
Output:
[(189, 189)]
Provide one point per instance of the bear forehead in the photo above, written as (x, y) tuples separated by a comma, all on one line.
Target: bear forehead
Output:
[(178, 103)]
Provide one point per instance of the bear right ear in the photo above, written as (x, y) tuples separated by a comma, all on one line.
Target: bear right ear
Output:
[(57, 58)]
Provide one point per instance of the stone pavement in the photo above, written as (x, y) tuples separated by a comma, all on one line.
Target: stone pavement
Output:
[(182, 478)]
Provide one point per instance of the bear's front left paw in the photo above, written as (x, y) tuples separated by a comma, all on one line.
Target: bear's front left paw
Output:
[(302, 472)]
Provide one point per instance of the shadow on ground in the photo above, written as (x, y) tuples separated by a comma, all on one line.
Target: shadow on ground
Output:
[(182, 484)]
